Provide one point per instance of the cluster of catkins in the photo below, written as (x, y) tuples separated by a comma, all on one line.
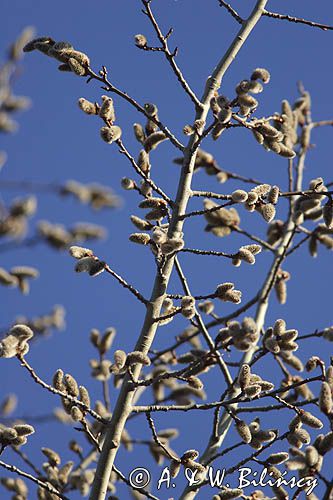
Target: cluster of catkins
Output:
[(86, 261), (149, 136), (309, 461), (243, 336), (281, 342), (222, 106), (14, 222), (227, 293), (95, 195), (159, 241), (157, 452), (59, 238), (17, 486), (110, 132), (206, 161), (280, 285), (103, 343), (9, 103), (71, 60), (181, 393), (16, 435), (68, 385), (43, 324), (187, 307), (251, 384), (123, 361), (321, 235), (252, 434), (16, 341), (326, 393), (308, 206), (246, 253), (55, 474), (188, 461), (83, 479), (261, 198), (18, 276), (281, 137), (220, 222)]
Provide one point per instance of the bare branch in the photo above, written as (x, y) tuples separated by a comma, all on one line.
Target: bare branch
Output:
[(284, 17)]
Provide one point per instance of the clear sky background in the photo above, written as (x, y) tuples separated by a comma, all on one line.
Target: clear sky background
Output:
[(57, 142)]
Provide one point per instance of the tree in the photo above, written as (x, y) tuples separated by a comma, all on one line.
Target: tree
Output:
[(225, 331)]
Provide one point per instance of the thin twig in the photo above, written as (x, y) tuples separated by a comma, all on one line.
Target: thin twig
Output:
[(49, 388), (109, 87), (170, 56), (124, 283), (231, 11), (46, 486), (284, 17)]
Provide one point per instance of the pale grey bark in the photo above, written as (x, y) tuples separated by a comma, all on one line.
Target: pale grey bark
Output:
[(124, 402), (226, 420)]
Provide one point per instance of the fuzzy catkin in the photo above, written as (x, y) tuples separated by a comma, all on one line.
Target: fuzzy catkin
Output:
[(243, 430)]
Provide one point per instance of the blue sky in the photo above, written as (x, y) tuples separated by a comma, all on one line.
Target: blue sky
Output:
[(57, 142)]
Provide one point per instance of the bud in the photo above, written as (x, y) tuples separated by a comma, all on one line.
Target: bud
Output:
[(246, 255), (268, 212), (273, 195), (244, 376), (76, 67), (110, 134), (80, 252), (140, 41), (325, 398), (328, 214), (267, 130), (244, 431), (247, 101), (87, 107), (140, 238), (139, 133), (119, 359), (52, 456), (106, 111), (239, 196), (153, 140), (137, 357), (261, 74), (127, 183), (286, 152), (71, 385), (141, 223), (277, 458), (90, 265), (308, 419)]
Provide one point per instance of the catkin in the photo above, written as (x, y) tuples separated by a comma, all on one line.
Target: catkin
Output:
[(243, 430), (325, 398)]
